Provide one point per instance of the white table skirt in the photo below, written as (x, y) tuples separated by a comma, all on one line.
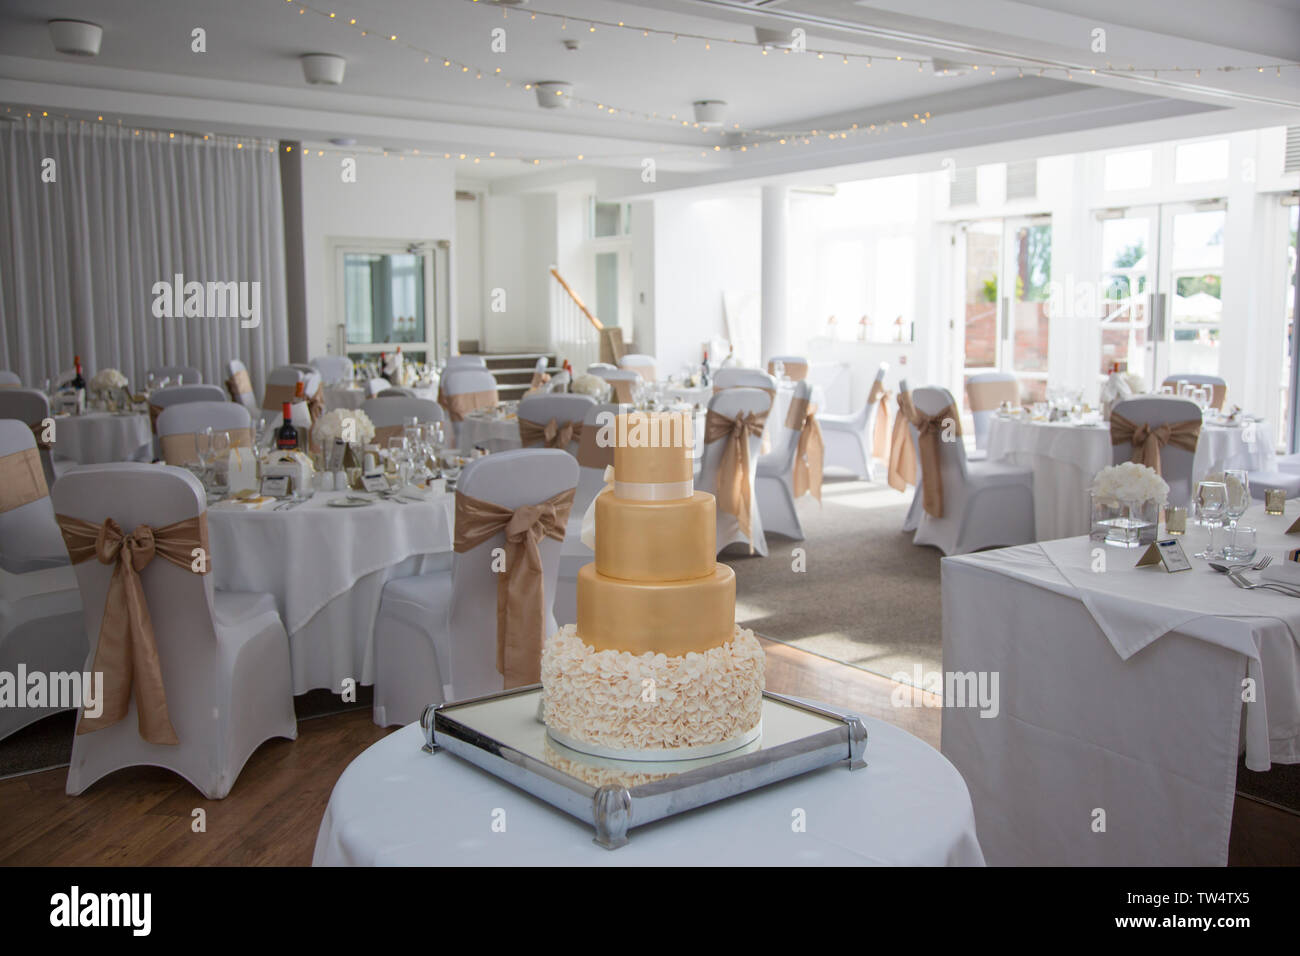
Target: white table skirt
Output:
[(1151, 740), (398, 806), (475, 429), (1065, 458), (99, 437), (326, 568)]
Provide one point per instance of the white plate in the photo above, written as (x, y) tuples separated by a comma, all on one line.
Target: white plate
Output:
[(349, 502)]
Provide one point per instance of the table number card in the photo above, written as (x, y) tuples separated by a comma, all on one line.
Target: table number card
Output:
[(1295, 527), (374, 482), (1168, 553), (275, 486)]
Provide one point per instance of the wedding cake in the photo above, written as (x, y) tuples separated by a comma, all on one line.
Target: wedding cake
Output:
[(656, 667)]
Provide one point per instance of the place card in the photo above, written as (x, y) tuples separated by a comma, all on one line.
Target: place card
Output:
[(1168, 553), (275, 486), (374, 481), (1295, 527)]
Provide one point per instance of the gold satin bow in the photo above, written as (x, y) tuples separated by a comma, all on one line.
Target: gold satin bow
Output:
[(127, 653), (930, 431), (551, 435), (902, 456), (1147, 440), (810, 456), (22, 479), (521, 599), (239, 385), (880, 432), (734, 493), (458, 406)]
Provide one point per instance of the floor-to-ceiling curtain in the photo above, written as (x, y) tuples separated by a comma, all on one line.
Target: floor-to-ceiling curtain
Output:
[(92, 216)]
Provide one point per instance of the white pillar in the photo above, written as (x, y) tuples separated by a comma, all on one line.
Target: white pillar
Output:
[(775, 264)]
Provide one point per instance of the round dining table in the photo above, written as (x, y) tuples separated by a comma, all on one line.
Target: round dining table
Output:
[(326, 567), (397, 805), (1065, 456), (100, 437)]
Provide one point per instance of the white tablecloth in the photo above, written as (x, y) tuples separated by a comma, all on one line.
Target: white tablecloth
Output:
[(1066, 457), (1120, 691), (326, 568), (396, 805), (475, 429), (98, 437)]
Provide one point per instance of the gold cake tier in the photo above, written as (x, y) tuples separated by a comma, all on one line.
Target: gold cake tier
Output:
[(668, 617), (656, 540), (653, 447)]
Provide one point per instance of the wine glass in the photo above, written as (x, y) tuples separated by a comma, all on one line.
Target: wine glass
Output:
[(1237, 481), (397, 455), (1212, 500), (203, 447)]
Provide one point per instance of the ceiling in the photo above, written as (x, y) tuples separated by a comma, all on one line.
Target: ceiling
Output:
[(398, 94)]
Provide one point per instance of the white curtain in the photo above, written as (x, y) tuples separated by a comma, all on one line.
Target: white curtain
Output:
[(125, 209)]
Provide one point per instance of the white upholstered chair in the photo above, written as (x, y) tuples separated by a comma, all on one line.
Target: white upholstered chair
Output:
[(986, 391), (743, 378), (241, 387), (774, 484), (383, 411), (643, 365), (163, 398), (730, 403), (9, 379), (795, 366), (467, 381), (436, 634), (281, 382), (190, 418), (592, 459), (178, 374), (224, 655), (912, 520), (1175, 463), (985, 503), (622, 382), (333, 369), (40, 606), (31, 406), (1218, 385), (851, 438), (541, 409), (396, 391)]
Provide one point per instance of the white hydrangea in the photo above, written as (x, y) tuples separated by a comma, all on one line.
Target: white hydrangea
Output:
[(1129, 481), (335, 424)]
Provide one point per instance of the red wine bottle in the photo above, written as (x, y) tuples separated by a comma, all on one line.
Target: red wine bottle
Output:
[(79, 385), (286, 436)]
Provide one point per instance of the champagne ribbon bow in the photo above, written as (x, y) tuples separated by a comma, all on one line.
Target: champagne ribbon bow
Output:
[(810, 456), (22, 479), (553, 434), (127, 653), (880, 432), (930, 431), (521, 599), (1147, 440), (734, 492), (239, 385), (458, 406), (902, 456)]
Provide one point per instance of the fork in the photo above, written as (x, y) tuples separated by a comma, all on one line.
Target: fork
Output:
[(1259, 565), (1239, 578)]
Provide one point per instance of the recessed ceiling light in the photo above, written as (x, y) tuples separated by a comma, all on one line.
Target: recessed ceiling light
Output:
[(344, 141), (76, 37), (553, 94), (323, 69), (710, 112)]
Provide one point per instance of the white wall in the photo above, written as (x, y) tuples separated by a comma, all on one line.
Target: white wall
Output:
[(469, 303), (391, 199), (518, 250)]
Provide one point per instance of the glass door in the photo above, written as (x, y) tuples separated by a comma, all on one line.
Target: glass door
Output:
[(980, 247), (1128, 240)]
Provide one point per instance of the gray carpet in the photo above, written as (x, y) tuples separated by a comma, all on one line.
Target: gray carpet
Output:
[(869, 597)]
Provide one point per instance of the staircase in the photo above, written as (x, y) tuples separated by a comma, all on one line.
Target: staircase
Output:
[(514, 372)]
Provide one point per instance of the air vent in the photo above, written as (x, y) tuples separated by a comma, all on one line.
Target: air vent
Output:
[(961, 190), (1291, 161), (1022, 179)]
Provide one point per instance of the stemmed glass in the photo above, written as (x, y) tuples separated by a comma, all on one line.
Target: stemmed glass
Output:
[(1212, 499), (1237, 481), (220, 458), (398, 452), (203, 450)]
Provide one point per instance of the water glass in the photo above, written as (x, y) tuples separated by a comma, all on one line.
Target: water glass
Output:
[(1212, 501), (1243, 544)]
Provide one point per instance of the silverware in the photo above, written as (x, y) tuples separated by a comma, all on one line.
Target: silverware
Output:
[(1259, 565), (1239, 578)]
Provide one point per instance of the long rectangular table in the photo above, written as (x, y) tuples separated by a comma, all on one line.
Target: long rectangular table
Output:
[(1125, 696)]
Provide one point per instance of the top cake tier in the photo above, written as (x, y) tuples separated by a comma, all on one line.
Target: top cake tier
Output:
[(654, 448)]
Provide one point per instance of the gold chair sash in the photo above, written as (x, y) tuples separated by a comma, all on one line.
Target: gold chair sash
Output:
[(1147, 440), (154, 412), (902, 456), (929, 434), (521, 599), (622, 390), (22, 479), (553, 434), (239, 385), (183, 447), (986, 396), (810, 458), (127, 653), (734, 492), (880, 432), (275, 396), (458, 406), (647, 372), (591, 453), (794, 371)]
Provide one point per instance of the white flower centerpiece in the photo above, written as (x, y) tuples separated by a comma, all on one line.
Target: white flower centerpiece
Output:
[(343, 433), (592, 385), (1126, 503), (107, 387)]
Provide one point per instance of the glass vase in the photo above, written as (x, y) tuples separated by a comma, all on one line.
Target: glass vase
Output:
[(1125, 524)]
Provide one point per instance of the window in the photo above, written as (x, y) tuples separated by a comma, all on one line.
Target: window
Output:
[(1201, 162), (609, 219), (385, 301), (1130, 170)]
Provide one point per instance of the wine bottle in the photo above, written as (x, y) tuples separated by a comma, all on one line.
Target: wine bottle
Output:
[(704, 369), (79, 385), (286, 436)]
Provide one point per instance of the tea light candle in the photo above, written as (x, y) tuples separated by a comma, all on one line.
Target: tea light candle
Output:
[(1274, 501), (1176, 521)]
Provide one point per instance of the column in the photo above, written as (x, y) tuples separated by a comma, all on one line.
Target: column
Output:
[(774, 272)]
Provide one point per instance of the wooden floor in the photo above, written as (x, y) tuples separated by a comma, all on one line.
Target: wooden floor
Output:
[(145, 816)]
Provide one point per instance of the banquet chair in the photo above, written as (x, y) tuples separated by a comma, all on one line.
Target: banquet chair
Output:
[(559, 382), (1265, 481), (622, 382), (376, 386), (540, 410), (774, 476), (467, 390), (1218, 385), (541, 373), (851, 439), (465, 361), (985, 503), (796, 366), (598, 368), (31, 406), (333, 369), (223, 655), (743, 378), (40, 606), (163, 398), (240, 387), (178, 374), (593, 458), (9, 379), (436, 634), (1175, 463), (729, 404), (643, 365), (985, 392), (912, 520), (281, 384), (393, 413), (178, 426), (395, 391)]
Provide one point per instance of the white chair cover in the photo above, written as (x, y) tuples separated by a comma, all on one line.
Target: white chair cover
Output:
[(982, 417), (180, 394), (912, 520), (559, 382), (31, 406), (179, 374), (247, 399), (743, 378), (1175, 463), (396, 391), (8, 378), (730, 403), (333, 369), (40, 607), (225, 656), (643, 365), (465, 361), (540, 409), (774, 487), (591, 481), (850, 438), (384, 411), (376, 386), (436, 634), (291, 375), (599, 368), (196, 416), (985, 503)]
